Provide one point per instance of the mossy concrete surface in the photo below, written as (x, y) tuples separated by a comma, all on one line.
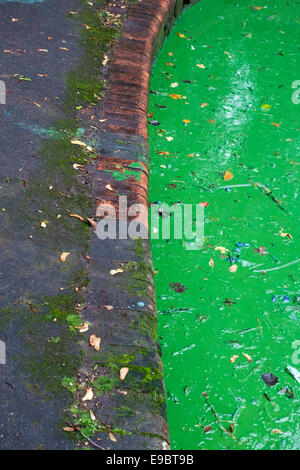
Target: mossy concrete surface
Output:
[(52, 142)]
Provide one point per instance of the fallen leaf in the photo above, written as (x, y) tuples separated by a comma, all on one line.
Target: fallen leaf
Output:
[(76, 216), (64, 256), (92, 223), (285, 234), (89, 395), (222, 249), (228, 175), (83, 328), (112, 437), (68, 429), (186, 121), (43, 224), (211, 263), (113, 272), (233, 268), (95, 342), (203, 105), (201, 66), (277, 431), (275, 124), (249, 358), (174, 85), (233, 359), (181, 35), (123, 372), (108, 186), (78, 142), (93, 417), (108, 307), (176, 97)]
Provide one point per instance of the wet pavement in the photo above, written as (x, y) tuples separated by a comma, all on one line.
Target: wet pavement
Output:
[(38, 191)]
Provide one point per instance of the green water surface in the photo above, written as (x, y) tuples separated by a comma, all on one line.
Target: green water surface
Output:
[(233, 64)]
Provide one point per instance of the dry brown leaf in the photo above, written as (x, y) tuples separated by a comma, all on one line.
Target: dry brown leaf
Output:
[(76, 216), (68, 429), (83, 328), (95, 342), (92, 223), (123, 372), (93, 417), (112, 437), (88, 395), (113, 272), (64, 256)]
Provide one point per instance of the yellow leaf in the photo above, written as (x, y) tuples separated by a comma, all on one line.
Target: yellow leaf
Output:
[(186, 121), (176, 97), (64, 256), (123, 372), (228, 175)]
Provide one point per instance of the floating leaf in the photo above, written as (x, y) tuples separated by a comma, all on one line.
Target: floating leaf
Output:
[(228, 175), (176, 97), (233, 358), (233, 268)]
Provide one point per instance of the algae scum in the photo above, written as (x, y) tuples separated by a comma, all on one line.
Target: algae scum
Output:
[(230, 67)]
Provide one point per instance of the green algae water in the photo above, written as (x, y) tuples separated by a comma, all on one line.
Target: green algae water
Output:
[(225, 132)]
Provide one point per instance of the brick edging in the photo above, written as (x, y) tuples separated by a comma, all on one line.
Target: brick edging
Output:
[(129, 327)]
